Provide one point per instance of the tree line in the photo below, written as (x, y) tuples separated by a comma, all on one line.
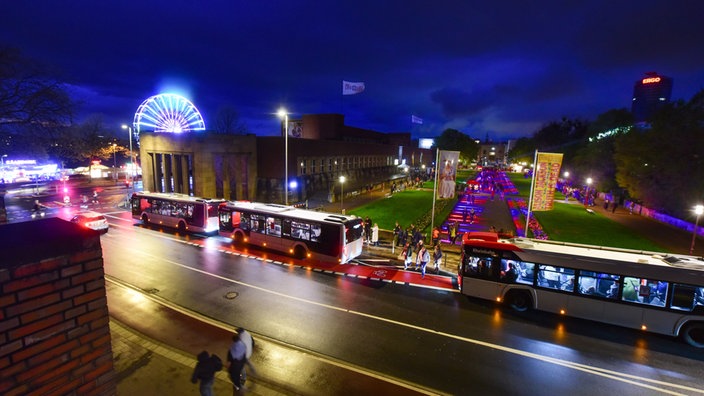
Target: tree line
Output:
[(659, 163)]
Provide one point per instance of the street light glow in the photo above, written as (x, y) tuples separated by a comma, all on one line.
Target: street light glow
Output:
[(698, 210), (342, 194), (282, 113)]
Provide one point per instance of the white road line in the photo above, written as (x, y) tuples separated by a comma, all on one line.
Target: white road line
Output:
[(635, 380)]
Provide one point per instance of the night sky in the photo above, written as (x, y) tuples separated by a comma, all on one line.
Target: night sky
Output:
[(500, 68)]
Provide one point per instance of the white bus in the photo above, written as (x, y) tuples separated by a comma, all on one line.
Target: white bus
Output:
[(299, 232), (180, 211), (655, 292)]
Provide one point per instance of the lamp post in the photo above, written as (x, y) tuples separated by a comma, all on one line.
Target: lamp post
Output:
[(114, 161), (586, 195), (282, 113), (129, 130), (698, 210), (342, 194)]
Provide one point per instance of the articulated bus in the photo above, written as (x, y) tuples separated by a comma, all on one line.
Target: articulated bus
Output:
[(656, 292), (300, 232), (180, 211)]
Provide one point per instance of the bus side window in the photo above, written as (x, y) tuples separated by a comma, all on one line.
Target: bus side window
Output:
[(644, 291), (526, 272), (686, 297)]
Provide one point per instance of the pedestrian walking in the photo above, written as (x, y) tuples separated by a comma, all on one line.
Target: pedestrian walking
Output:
[(205, 371), (248, 342), (375, 235), (236, 356), (453, 232), (437, 258), (368, 229), (397, 234), (471, 215), (417, 238), (422, 259), (436, 236), (407, 255)]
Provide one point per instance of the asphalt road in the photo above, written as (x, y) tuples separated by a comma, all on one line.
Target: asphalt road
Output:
[(428, 340)]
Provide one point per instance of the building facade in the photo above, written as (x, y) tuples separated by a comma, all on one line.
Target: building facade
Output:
[(247, 167), (649, 94)]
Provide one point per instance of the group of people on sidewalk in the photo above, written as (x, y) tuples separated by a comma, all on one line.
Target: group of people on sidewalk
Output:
[(238, 356), (415, 251)]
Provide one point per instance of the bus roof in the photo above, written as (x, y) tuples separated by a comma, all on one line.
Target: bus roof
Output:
[(175, 197), (292, 211)]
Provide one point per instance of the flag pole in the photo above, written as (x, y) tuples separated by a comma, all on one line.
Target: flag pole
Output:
[(435, 191), (530, 197)]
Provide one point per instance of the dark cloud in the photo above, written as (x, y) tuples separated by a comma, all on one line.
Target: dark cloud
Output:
[(504, 68)]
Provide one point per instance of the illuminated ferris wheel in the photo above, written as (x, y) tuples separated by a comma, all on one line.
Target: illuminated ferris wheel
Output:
[(167, 113)]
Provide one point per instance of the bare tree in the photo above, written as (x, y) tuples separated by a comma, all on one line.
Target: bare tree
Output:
[(33, 105), (227, 121)]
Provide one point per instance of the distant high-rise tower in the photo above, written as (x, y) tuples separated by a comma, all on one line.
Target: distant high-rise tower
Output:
[(649, 93)]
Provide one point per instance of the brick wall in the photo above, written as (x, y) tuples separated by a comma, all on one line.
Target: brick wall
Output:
[(54, 334)]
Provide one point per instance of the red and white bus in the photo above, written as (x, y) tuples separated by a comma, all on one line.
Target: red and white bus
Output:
[(655, 292), (180, 211), (299, 232)]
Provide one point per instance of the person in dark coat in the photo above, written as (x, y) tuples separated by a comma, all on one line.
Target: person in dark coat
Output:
[(205, 371)]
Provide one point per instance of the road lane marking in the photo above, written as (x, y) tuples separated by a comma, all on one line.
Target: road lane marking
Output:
[(642, 382)]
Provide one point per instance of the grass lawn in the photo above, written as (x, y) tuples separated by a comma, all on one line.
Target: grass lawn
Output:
[(405, 207), (521, 183), (572, 223)]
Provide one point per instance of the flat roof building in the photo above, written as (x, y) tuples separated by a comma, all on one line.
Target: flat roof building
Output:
[(246, 167)]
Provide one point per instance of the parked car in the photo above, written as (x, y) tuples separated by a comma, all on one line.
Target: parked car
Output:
[(93, 220)]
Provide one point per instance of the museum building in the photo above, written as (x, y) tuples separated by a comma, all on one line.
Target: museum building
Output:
[(321, 148)]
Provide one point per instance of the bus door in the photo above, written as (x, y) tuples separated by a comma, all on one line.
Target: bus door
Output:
[(481, 274), (257, 230), (273, 233)]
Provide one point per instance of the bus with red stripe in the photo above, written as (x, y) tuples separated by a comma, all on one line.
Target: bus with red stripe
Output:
[(656, 292)]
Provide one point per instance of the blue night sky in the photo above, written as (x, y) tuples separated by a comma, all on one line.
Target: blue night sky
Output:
[(504, 68)]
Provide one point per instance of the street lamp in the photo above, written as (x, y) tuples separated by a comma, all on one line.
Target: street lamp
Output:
[(586, 195), (282, 113), (342, 194), (129, 130), (114, 161), (698, 210)]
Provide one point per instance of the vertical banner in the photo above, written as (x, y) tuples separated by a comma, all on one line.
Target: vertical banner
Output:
[(547, 171), (447, 171)]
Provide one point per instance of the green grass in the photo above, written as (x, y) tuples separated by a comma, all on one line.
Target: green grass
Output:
[(566, 222), (521, 183), (405, 207), (572, 223)]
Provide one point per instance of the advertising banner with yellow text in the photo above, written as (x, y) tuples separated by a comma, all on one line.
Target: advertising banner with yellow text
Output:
[(547, 171)]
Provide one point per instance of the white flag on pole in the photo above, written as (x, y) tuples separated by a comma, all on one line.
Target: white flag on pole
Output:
[(352, 88)]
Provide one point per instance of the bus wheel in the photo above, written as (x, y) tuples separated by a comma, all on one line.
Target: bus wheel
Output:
[(238, 239), (518, 301), (299, 252), (181, 227), (145, 219), (693, 334)]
